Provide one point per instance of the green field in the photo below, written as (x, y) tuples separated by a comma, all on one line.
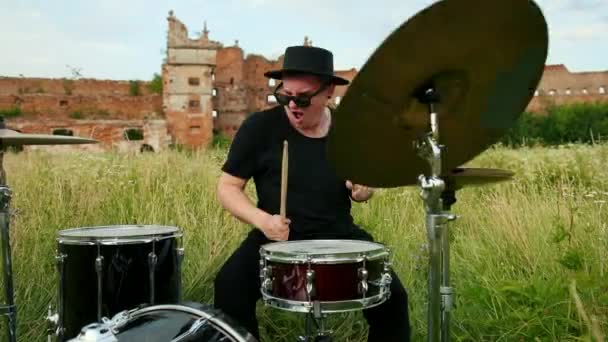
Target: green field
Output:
[(517, 249)]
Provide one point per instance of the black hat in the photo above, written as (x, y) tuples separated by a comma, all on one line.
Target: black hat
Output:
[(308, 60)]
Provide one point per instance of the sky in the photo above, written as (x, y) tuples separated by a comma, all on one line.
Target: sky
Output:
[(126, 39)]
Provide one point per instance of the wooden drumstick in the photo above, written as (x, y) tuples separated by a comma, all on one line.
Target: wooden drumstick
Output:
[(284, 172)]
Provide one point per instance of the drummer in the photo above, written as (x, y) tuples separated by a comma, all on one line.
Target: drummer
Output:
[(318, 202)]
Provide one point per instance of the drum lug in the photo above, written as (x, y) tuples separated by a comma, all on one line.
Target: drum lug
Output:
[(180, 256), (266, 276), (180, 252), (152, 260), (386, 274), (363, 286), (99, 270), (310, 283)]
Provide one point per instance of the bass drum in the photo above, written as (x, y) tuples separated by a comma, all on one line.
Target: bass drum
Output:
[(165, 323), (105, 270)]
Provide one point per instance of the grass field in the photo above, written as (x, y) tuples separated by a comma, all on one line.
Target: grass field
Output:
[(524, 253)]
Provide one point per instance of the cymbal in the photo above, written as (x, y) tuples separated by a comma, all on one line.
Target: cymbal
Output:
[(9, 137), (484, 59), (466, 177)]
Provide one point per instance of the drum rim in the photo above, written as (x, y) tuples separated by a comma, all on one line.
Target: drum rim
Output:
[(326, 258), (183, 308), (62, 238), (326, 306)]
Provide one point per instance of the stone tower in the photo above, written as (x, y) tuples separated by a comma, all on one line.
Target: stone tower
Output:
[(188, 85)]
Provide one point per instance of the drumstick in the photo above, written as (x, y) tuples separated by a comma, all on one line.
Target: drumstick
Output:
[(284, 180)]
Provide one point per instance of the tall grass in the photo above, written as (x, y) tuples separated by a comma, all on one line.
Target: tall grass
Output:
[(516, 248)]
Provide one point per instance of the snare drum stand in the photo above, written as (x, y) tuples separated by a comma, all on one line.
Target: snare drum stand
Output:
[(318, 333), (439, 291), (8, 308)]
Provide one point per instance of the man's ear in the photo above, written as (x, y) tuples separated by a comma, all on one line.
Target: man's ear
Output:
[(330, 91)]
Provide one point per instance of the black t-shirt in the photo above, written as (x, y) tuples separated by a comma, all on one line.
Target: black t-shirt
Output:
[(318, 201)]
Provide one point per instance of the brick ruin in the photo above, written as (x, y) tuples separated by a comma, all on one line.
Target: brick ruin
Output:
[(207, 88)]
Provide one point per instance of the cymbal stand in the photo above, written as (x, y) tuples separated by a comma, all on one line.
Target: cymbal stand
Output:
[(8, 308), (439, 292)]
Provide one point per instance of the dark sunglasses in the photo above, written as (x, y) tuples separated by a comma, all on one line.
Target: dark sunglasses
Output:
[(301, 101)]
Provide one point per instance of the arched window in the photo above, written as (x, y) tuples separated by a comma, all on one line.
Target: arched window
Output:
[(602, 90), (132, 134), (146, 148), (272, 82), (552, 92)]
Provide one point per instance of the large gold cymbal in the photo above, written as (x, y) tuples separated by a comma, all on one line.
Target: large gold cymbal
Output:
[(484, 58), (9, 137)]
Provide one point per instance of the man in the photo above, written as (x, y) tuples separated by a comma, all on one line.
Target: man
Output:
[(318, 202)]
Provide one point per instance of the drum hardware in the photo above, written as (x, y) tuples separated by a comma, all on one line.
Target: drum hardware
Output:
[(152, 260), (99, 271), (310, 282), (8, 309), (363, 275), (318, 332), (10, 138), (436, 223), (162, 323), (54, 319), (131, 265), (461, 85), (320, 277)]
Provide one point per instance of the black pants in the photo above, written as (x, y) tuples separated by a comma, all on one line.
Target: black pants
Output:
[(237, 290)]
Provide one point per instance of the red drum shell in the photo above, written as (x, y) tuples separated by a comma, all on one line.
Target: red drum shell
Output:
[(332, 282), (337, 267)]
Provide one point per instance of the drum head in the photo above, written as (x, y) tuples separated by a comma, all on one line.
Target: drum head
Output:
[(116, 234), (323, 251), (164, 323)]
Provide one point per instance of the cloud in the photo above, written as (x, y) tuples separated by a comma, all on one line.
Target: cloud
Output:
[(583, 32)]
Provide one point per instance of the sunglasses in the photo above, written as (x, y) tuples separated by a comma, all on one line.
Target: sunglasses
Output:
[(301, 101)]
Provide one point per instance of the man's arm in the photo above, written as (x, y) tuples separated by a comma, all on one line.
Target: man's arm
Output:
[(231, 193)]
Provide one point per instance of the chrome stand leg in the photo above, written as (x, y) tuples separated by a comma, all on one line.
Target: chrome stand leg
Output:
[(8, 308)]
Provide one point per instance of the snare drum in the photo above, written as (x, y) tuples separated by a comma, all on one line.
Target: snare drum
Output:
[(107, 269), (165, 323), (335, 275)]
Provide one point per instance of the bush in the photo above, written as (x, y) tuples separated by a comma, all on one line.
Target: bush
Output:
[(156, 85), (68, 86), (581, 122), (76, 115), (134, 89), (221, 141), (11, 112)]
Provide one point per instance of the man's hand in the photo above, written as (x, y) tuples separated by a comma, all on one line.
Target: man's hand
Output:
[(359, 193), (275, 227)]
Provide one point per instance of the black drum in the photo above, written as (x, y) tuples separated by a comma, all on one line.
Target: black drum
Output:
[(108, 269), (165, 323)]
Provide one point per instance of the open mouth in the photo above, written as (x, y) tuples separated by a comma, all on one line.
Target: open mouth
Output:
[(297, 115)]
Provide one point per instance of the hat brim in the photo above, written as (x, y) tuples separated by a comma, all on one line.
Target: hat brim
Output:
[(278, 75)]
